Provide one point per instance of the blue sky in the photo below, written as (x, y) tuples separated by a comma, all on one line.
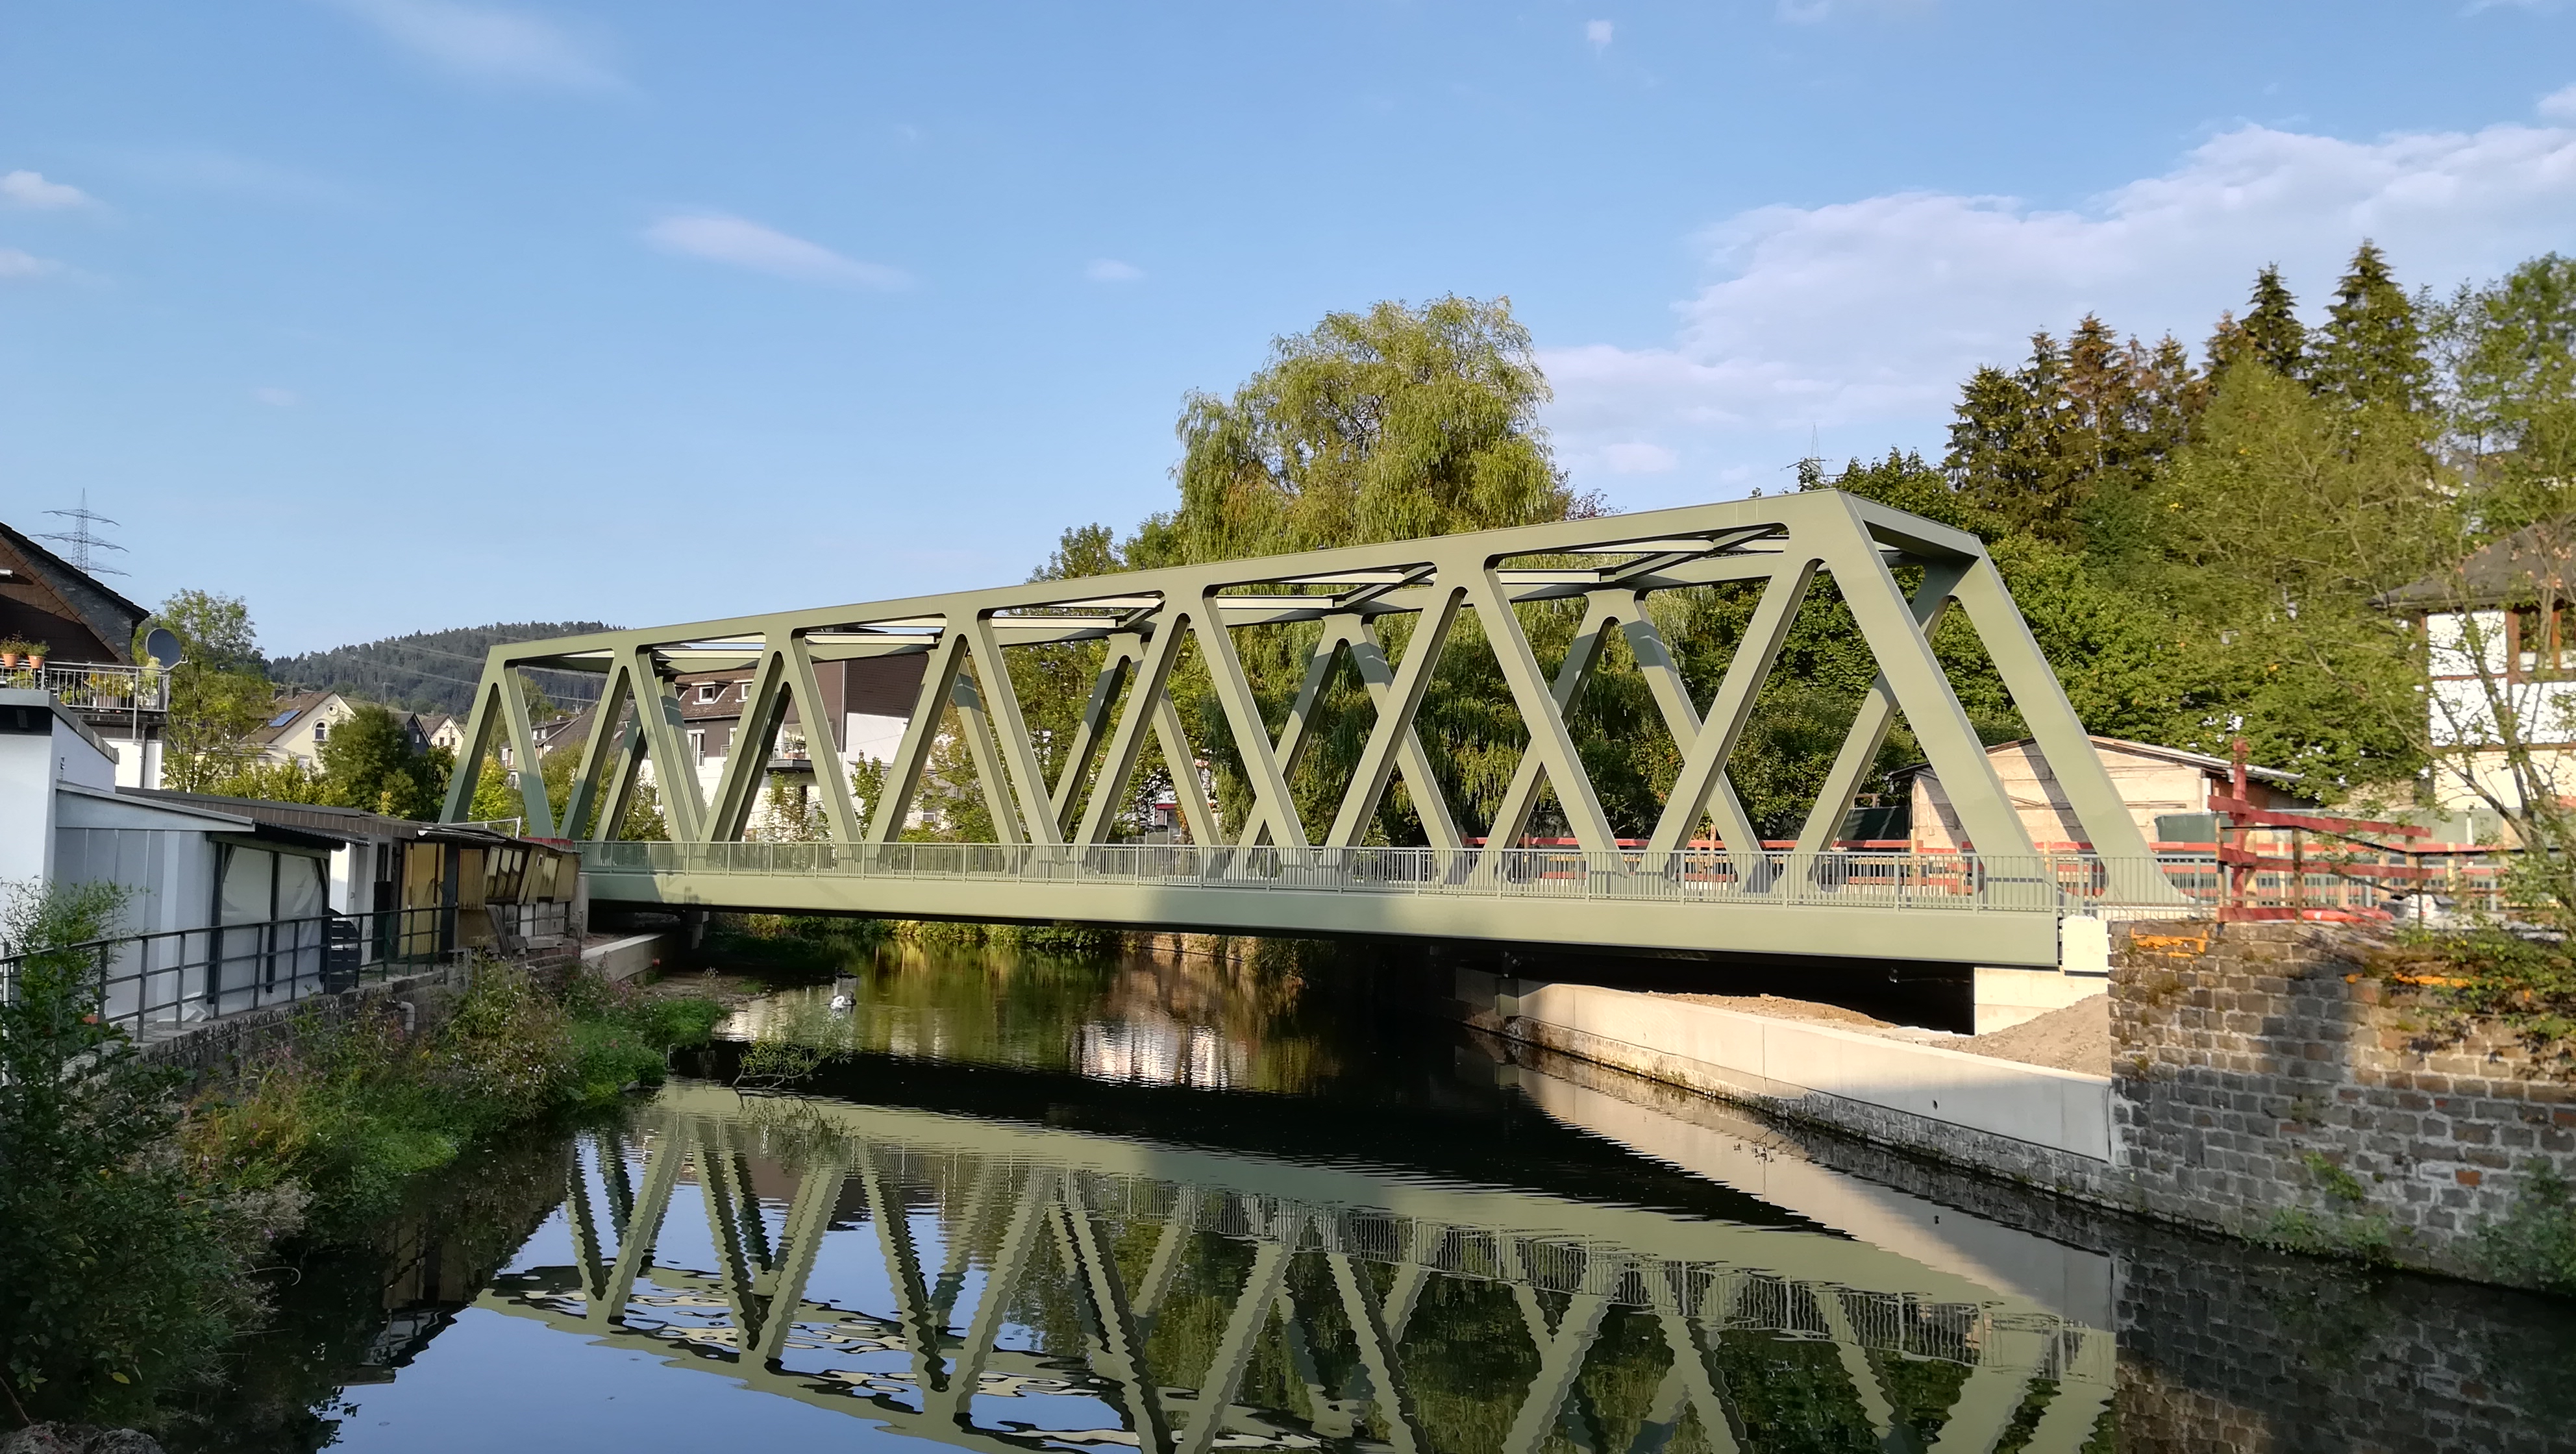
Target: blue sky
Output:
[(393, 315)]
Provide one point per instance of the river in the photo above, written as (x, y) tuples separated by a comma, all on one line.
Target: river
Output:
[(1085, 1204)]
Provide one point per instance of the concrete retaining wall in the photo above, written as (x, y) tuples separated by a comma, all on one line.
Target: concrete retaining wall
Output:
[(624, 959), (2027, 1121)]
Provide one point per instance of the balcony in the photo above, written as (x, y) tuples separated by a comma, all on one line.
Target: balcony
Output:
[(104, 690)]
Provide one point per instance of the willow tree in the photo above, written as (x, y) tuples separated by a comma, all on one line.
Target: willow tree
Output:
[(1390, 424), (1385, 425)]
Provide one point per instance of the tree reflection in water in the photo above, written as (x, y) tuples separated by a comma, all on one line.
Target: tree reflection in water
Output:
[(1268, 1023)]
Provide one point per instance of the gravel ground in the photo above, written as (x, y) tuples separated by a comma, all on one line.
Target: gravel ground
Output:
[(2075, 1038)]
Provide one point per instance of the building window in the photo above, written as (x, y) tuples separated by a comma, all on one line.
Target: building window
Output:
[(745, 695), (708, 691), (321, 733), (698, 745)]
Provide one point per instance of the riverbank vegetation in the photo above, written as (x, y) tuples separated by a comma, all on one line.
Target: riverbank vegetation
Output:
[(352, 1111), (134, 1219)]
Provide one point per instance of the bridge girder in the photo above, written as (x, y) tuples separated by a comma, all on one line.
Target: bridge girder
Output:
[(1149, 618)]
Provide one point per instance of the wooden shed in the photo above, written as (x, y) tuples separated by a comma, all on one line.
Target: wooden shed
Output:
[(2154, 783)]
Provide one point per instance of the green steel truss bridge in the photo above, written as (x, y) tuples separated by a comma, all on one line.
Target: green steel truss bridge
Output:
[(1061, 857), (1198, 1300)]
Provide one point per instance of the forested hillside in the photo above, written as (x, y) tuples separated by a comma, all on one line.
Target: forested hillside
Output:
[(427, 671)]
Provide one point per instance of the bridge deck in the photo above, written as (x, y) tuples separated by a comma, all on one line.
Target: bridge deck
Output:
[(1940, 908)]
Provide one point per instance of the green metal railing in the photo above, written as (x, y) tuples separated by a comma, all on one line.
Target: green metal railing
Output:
[(2037, 884)]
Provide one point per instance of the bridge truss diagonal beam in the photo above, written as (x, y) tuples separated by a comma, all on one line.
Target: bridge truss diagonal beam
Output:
[(1145, 625)]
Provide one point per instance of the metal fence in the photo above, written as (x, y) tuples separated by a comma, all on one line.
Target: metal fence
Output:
[(2034, 884), (154, 984)]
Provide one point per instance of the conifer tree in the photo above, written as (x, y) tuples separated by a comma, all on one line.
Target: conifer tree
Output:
[(2051, 450), (2371, 350), (2273, 333)]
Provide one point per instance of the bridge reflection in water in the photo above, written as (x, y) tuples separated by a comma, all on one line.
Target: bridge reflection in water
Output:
[(1020, 1288)]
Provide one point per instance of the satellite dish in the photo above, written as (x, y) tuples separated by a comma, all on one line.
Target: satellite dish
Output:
[(162, 645)]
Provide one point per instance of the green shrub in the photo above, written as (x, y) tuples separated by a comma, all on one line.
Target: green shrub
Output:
[(2534, 1242), (355, 1112), (2528, 986), (509, 1045), (120, 1276)]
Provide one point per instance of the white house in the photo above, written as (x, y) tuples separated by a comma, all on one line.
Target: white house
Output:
[(298, 724), (2499, 628)]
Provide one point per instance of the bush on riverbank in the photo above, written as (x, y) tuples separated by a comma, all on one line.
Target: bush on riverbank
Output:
[(119, 1272), (354, 1111)]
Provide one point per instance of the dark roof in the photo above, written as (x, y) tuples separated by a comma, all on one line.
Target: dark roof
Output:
[(291, 708), (2534, 561), (103, 613), (348, 825), (570, 731)]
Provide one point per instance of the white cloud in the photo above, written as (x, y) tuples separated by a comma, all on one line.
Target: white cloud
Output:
[(746, 244), (1632, 458), (16, 264), (31, 190), (1598, 32), (1864, 316), (277, 398), (2560, 104), (1111, 270), (487, 44)]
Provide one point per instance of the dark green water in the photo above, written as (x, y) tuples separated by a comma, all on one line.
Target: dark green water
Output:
[(1038, 1204)]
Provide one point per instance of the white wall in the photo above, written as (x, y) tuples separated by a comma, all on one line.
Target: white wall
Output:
[(26, 806), (871, 736), (31, 764), (2461, 713), (159, 854), (138, 764)]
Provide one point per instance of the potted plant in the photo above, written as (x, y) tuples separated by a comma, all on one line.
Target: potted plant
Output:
[(106, 687), (36, 654), (11, 650)]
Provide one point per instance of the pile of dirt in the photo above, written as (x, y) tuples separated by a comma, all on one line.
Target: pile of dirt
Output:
[(1780, 1007), (2075, 1038)]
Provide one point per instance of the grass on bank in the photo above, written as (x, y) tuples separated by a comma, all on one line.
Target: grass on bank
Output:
[(354, 1111)]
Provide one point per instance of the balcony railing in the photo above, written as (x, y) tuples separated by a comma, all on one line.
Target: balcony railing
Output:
[(99, 687)]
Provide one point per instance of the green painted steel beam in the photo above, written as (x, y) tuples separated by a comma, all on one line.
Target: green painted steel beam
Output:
[(2025, 938)]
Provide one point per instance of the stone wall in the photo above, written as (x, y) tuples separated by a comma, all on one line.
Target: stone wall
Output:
[(2225, 1346), (2281, 1080), (216, 1049)]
